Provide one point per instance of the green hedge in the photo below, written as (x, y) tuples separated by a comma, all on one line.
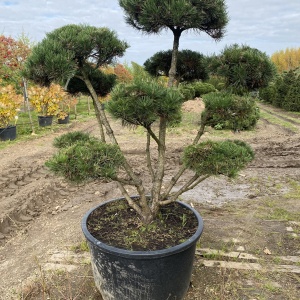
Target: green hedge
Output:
[(284, 92)]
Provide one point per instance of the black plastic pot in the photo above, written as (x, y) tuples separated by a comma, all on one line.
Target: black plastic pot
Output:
[(142, 275), (45, 120), (66, 120), (8, 133)]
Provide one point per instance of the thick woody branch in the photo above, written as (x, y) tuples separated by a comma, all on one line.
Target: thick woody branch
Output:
[(149, 162), (193, 182)]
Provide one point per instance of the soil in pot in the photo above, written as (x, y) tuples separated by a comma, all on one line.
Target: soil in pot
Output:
[(118, 225)]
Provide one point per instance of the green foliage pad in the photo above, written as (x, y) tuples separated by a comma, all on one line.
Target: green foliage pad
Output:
[(144, 101), (87, 159), (70, 138), (229, 111), (215, 158)]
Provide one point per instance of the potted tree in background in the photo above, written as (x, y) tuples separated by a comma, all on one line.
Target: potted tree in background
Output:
[(134, 269), (65, 107), (10, 103), (13, 54), (47, 101)]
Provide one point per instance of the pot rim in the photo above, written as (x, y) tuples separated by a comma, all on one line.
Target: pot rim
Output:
[(46, 116), (8, 126), (142, 254)]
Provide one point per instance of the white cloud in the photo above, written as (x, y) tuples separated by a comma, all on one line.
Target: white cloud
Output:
[(268, 25)]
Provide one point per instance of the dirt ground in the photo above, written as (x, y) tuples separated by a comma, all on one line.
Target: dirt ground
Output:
[(250, 248)]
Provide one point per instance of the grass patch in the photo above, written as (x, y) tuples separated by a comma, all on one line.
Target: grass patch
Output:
[(24, 127), (272, 209), (269, 286), (59, 284), (294, 192), (278, 121), (82, 247)]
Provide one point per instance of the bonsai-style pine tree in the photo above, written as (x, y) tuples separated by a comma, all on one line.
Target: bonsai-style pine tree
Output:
[(145, 102), (190, 65), (72, 55), (154, 16), (244, 68)]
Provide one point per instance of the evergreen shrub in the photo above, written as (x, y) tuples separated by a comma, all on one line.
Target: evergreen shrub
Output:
[(187, 91), (202, 88), (240, 112)]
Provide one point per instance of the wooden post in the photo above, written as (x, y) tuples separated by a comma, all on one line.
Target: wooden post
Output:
[(27, 104)]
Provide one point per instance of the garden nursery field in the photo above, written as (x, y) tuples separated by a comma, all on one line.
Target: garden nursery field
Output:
[(250, 247)]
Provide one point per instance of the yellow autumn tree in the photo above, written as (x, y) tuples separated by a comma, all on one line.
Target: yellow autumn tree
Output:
[(287, 59)]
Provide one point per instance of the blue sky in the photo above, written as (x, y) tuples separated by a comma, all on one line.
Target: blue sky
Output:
[(268, 25)]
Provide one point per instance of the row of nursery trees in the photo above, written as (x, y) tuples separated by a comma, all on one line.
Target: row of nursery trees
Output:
[(284, 89), (239, 69)]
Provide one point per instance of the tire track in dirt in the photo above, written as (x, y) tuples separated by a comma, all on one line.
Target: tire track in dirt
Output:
[(292, 118), (280, 128), (279, 147), (27, 188)]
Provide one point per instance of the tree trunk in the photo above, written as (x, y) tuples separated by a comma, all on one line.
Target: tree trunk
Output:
[(102, 135), (173, 69), (144, 211), (159, 174)]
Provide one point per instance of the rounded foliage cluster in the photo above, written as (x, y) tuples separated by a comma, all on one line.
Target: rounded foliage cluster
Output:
[(73, 51), (215, 158), (244, 68), (83, 157), (195, 89), (202, 88), (187, 91), (70, 138), (153, 16), (230, 111), (191, 65), (101, 82), (143, 101)]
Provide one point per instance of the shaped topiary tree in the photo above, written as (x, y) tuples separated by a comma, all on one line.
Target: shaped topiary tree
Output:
[(73, 50), (191, 65), (146, 102), (244, 68), (154, 16)]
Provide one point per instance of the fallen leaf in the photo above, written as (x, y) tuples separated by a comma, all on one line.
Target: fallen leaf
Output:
[(267, 251)]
